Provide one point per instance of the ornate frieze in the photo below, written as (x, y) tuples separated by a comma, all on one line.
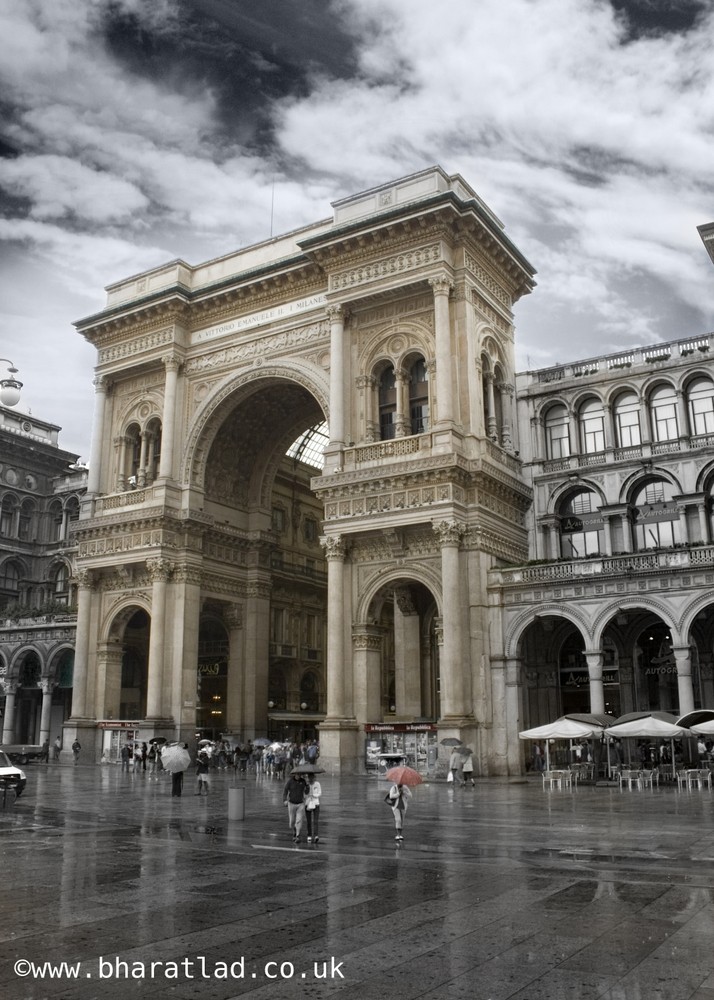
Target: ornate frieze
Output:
[(487, 279), (260, 347), (401, 263), (421, 305), (139, 344)]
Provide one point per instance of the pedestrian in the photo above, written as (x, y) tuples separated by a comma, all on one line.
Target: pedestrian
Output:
[(125, 753), (468, 770), (456, 766), (294, 795), (398, 798), (538, 757), (57, 746), (137, 757), (46, 751), (144, 755), (76, 747), (702, 751), (312, 808), (202, 764)]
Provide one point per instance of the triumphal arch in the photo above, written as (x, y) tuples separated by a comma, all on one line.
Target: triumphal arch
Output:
[(303, 466)]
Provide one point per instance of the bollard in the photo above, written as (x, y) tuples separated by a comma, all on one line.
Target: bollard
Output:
[(236, 803)]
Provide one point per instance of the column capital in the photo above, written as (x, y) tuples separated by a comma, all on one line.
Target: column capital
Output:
[(441, 285), (85, 579), (335, 547), (101, 383), (171, 362), (335, 313), (450, 533), (159, 569)]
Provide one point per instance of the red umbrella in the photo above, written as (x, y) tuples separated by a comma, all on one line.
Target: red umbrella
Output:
[(404, 776)]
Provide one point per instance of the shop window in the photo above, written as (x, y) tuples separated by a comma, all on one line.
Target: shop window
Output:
[(700, 397), (419, 397), (580, 526), (557, 433), (592, 427), (627, 421), (663, 407), (387, 404)]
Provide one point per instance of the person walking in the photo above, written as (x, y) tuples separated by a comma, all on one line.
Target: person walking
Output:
[(456, 766), (468, 770), (56, 747), (294, 795), (398, 797), (203, 762), (312, 808), (76, 747), (125, 753)]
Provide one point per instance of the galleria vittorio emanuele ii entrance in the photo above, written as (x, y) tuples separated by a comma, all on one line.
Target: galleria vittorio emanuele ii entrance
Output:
[(303, 467)]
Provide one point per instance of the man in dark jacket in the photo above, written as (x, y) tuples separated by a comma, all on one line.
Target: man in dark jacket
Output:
[(294, 798)]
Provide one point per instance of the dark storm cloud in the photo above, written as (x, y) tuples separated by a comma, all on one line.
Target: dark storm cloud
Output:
[(658, 17), (249, 55)]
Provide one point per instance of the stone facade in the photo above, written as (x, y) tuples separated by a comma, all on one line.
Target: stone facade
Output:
[(392, 322), (41, 488)]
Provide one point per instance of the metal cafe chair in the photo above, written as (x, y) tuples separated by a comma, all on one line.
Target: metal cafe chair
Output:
[(557, 779), (646, 779), (701, 778), (629, 778)]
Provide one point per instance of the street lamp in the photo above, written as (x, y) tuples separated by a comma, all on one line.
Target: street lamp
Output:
[(10, 387)]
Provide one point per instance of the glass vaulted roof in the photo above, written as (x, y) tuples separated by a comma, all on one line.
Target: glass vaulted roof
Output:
[(310, 446)]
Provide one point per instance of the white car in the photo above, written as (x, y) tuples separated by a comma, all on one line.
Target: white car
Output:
[(10, 775)]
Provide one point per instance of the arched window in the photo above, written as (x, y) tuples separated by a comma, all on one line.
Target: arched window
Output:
[(581, 525), (387, 404), (557, 436), (60, 585), (26, 523), (72, 512), (627, 420), (663, 407), (7, 516), (133, 454), (592, 427), (9, 583), (56, 521), (419, 397), (656, 518), (154, 451), (700, 397)]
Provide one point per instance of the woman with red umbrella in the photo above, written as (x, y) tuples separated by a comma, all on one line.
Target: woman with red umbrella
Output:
[(399, 795)]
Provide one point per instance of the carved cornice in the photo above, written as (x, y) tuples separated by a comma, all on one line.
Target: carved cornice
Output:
[(408, 260)]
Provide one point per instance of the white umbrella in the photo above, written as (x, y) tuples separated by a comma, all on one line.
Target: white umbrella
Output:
[(175, 758), (567, 727), (657, 725)]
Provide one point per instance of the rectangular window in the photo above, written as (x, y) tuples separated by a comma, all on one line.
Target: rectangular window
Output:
[(593, 435), (665, 422), (702, 416), (278, 519), (558, 441), (628, 429)]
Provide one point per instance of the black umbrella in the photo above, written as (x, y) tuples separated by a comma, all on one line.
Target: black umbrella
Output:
[(158, 740), (308, 769), (451, 741)]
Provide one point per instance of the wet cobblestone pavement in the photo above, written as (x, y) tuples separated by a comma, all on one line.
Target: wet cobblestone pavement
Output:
[(501, 892)]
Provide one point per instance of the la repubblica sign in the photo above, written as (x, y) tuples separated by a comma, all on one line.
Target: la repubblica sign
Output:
[(400, 727)]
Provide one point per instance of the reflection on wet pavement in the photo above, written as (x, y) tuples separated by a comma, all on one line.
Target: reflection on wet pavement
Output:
[(502, 891)]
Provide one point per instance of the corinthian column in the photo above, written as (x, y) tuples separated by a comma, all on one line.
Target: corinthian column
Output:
[(336, 317), (441, 288), (8, 727), (85, 582), (95, 455), (597, 691), (46, 687), (159, 570), (335, 554), (453, 704), (168, 420), (683, 659)]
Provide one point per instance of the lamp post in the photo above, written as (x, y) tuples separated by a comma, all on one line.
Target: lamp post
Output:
[(10, 387)]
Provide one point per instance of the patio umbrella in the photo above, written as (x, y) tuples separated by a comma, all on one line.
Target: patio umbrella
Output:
[(404, 776), (567, 727), (656, 725), (308, 769), (450, 741), (175, 758), (699, 717)]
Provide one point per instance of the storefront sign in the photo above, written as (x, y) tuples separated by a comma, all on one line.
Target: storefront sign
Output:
[(117, 724), (400, 727)]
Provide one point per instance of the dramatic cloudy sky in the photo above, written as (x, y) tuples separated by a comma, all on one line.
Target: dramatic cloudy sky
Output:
[(138, 131)]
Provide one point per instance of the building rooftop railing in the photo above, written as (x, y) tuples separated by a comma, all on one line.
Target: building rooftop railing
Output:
[(657, 353), (626, 564)]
